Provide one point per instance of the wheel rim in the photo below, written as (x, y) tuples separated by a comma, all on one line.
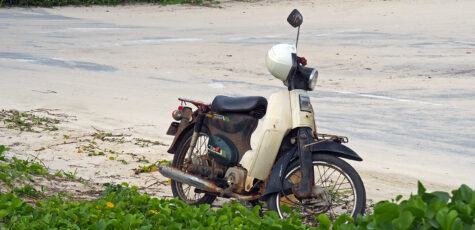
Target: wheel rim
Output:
[(187, 192), (339, 184)]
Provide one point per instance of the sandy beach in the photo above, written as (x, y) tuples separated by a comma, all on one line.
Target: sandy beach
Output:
[(396, 77)]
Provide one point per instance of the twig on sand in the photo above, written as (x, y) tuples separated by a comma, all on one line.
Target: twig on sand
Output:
[(163, 182), (63, 143), (35, 158), (49, 112)]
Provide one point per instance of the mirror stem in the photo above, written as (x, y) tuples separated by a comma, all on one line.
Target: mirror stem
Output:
[(297, 42)]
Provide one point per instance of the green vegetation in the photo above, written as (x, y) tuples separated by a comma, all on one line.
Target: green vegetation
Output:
[(123, 207), (436, 210), (92, 147), (51, 3), (16, 171), (145, 143), (152, 167), (25, 121)]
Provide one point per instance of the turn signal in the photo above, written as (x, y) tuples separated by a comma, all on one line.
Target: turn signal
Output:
[(177, 115)]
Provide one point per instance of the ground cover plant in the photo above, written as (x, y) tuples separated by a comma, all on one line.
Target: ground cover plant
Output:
[(123, 207), (27, 121), (51, 3)]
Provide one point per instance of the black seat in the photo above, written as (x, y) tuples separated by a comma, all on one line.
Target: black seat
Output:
[(254, 106)]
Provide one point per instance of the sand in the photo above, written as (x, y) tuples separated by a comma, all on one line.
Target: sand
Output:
[(396, 77)]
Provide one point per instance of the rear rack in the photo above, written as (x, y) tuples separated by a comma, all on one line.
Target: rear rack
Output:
[(327, 137), (203, 107), (331, 137)]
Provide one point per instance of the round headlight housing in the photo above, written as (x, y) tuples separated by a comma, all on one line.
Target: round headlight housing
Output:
[(312, 80)]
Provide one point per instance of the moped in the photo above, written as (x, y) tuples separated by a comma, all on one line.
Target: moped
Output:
[(293, 165)]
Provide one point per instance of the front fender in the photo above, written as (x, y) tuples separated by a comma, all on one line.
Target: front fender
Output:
[(275, 182), (336, 149)]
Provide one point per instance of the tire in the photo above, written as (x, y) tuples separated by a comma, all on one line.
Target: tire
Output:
[(349, 197), (186, 192)]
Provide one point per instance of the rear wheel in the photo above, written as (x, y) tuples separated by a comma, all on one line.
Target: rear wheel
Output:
[(340, 186), (187, 192)]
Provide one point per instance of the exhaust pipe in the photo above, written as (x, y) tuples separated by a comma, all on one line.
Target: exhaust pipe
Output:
[(205, 185), (186, 178)]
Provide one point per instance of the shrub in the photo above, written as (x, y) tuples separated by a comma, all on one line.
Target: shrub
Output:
[(121, 207), (436, 210), (124, 208), (51, 3)]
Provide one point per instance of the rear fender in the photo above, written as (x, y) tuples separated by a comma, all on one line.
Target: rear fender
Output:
[(178, 136)]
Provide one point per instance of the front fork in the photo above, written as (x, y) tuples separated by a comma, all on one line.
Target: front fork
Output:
[(304, 188)]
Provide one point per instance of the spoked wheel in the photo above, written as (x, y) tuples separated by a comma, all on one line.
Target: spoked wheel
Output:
[(338, 190), (183, 191)]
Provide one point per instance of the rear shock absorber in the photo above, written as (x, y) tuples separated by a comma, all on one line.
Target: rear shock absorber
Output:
[(194, 138)]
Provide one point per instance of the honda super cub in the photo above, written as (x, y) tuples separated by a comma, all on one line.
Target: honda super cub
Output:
[(292, 165)]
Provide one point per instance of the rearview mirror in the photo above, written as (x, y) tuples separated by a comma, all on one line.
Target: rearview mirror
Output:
[(295, 18)]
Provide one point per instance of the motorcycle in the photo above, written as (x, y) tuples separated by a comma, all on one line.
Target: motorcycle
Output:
[(293, 165)]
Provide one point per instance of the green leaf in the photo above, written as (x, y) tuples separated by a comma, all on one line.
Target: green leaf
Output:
[(464, 193), (404, 221), (457, 224), (16, 203), (3, 213), (324, 222), (385, 211), (101, 224), (441, 218), (443, 197), (420, 188), (342, 221), (399, 197), (285, 209)]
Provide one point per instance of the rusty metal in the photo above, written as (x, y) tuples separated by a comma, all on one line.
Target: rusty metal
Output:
[(304, 188), (327, 137), (244, 197), (184, 123), (331, 137), (202, 184), (206, 171), (183, 177), (314, 143), (173, 128), (237, 176), (202, 107)]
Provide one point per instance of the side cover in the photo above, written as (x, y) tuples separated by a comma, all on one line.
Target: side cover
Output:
[(223, 150), (236, 127)]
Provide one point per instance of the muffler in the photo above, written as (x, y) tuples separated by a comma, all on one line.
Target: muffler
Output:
[(186, 178)]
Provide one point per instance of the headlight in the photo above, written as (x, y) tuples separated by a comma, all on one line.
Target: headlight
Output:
[(312, 80)]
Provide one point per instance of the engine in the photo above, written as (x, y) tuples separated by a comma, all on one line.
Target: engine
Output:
[(236, 177)]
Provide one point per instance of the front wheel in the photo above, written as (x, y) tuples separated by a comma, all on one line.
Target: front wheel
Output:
[(340, 186)]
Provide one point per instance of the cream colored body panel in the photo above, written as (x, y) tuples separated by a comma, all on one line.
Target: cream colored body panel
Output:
[(300, 118), (283, 114)]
